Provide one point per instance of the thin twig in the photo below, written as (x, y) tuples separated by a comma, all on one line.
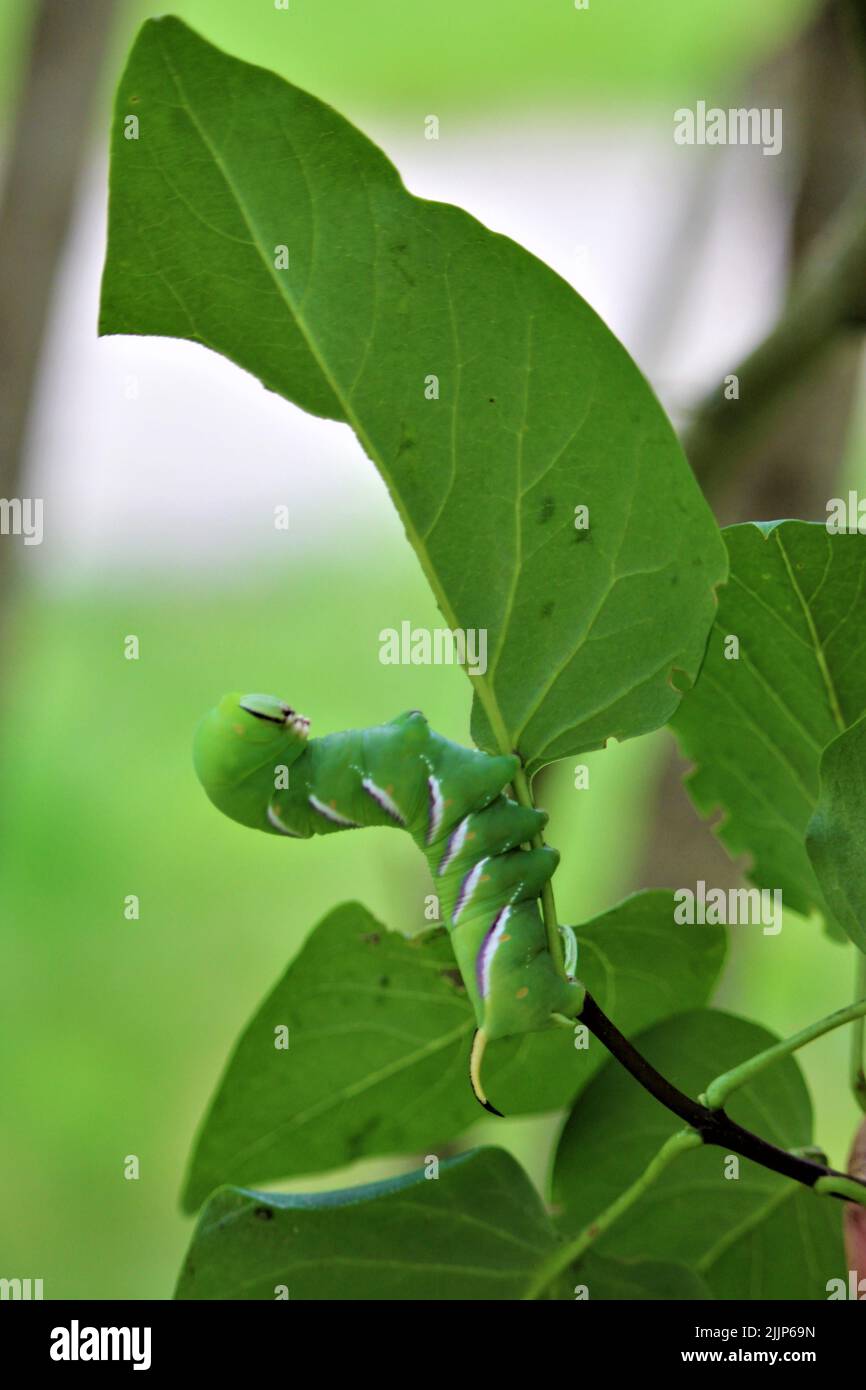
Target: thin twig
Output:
[(724, 1086)]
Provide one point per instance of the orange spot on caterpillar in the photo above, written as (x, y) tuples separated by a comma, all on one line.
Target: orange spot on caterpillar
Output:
[(522, 992), (238, 729), (506, 937)]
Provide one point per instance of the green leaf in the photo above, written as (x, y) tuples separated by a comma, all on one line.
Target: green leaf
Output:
[(478, 1231), (789, 1251), (754, 1236), (379, 1037), (539, 410), (631, 1280), (836, 834), (756, 726)]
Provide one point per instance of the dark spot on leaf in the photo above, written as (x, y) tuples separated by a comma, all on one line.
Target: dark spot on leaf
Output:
[(372, 938), (355, 1142), (492, 400), (454, 977), (581, 536), (384, 981), (547, 609), (263, 1214), (548, 507), (398, 262)]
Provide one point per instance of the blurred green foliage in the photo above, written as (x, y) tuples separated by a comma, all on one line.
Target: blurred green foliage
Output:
[(387, 56), (452, 54)]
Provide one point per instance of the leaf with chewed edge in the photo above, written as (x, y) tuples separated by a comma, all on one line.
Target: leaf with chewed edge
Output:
[(756, 723)]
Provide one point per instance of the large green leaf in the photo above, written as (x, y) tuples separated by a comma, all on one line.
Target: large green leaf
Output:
[(379, 1031), (379, 1036), (540, 410), (477, 1231), (754, 1236), (756, 726), (836, 835)]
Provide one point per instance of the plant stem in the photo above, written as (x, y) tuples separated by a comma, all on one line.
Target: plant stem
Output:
[(714, 1126), (548, 905), (718, 1091), (571, 1250), (838, 1185), (858, 1040)]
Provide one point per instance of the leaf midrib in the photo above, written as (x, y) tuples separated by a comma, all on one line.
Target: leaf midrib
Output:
[(832, 697)]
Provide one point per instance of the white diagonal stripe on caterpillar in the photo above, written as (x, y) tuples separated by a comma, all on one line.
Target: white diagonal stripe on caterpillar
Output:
[(274, 818), (455, 844), (489, 947), (437, 808), (467, 887), (331, 814), (382, 799)]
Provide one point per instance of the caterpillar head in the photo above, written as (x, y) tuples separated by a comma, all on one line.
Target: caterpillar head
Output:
[(291, 728), (239, 748)]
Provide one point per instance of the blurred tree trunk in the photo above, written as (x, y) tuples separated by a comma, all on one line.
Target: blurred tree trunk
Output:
[(792, 469), (43, 161)]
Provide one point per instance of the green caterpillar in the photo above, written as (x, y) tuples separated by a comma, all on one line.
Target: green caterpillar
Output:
[(452, 802)]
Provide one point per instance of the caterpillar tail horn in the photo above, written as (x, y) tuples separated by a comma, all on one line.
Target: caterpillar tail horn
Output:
[(476, 1057)]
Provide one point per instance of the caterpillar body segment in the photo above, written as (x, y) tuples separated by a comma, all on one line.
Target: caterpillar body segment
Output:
[(451, 800)]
